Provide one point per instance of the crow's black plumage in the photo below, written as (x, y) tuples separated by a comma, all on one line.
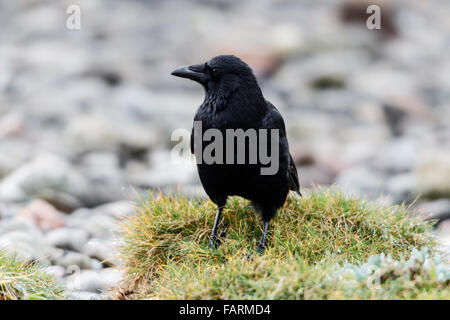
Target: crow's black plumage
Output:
[(233, 100)]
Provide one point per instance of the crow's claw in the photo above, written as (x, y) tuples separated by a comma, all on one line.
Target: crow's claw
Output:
[(260, 248), (214, 243)]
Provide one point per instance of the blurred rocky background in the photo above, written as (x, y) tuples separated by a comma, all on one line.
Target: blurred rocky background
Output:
[(86, 115)]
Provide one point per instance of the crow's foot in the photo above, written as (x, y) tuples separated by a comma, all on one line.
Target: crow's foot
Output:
[(214, 242), (260, 248)]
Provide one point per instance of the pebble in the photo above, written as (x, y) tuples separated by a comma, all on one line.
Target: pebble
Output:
[(71, 259), (360, 182), (28, 246), (44, 172), (67, 238), (57, 271), (433, 172), (43, 215), (96, 225), (102, 250), (437, 209), (93, 281), (116, 209)]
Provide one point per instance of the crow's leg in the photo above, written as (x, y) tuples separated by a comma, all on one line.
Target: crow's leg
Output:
[(262, 245), (214, 242)]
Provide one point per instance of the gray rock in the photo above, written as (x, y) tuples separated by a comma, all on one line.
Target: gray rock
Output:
[(68, 238), (28, 246), (45, 172), (97, 225), (96, 132), (444, 238), (360, 181), (8, 210), (71, 259), (359, 152), (18, 153), (107, 180), (12, 125), (433, 172), (384, 81), (437, 209), (165, 173), (316, 175), (102, 250), (111, 276), (102, 168), (43, 215), (86, 133), (136, 138), (116, 209), (77, 215), (19, 224), (444, 230), (93, 281), (402, 187), (62, 201), (58, 272), (398, 156), (101, 192), (100, 163)]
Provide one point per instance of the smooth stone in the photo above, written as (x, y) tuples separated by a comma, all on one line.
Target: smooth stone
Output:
[(58, 272), (93, 281), (43, 215), (360, 181), (18, 151), (67, 238), (437, 209), (29, 247), (402, 187), (71, 259), (97, 225), (433, 172), (44, 172), (102, 250), (22, 224), (116, 209)]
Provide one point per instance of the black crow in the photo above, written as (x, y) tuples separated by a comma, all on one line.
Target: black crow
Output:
[(233, 101)]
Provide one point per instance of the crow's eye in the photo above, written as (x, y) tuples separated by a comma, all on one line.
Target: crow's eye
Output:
[(215, 72)]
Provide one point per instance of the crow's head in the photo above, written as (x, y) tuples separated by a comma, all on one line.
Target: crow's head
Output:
[(222, 75)]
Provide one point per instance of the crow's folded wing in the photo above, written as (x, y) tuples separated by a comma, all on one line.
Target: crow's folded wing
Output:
[(294, 185), (275, 120)]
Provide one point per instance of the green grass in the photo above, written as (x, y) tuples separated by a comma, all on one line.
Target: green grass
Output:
[(20, 280), (317, 247)]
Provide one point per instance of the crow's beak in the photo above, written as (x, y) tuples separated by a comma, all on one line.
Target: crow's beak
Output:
[(195, 72)]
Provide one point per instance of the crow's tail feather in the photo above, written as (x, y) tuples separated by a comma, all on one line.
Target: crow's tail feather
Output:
[(294, 185)]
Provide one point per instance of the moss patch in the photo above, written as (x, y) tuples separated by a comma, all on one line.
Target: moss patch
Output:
[(165, 248)]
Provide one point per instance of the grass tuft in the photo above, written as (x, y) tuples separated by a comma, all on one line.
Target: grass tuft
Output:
[(165, 249), (21, 280)]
